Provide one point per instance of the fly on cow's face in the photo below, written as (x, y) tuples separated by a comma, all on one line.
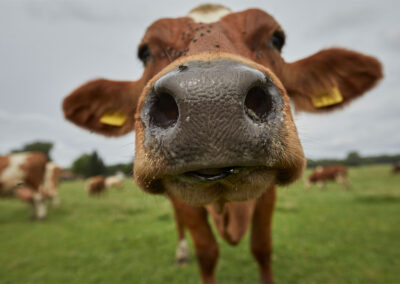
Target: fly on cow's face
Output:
[(182, 67)]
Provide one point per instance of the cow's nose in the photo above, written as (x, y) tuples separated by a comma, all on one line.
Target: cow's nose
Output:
[(195, 89), (218, 114), (163, 111)]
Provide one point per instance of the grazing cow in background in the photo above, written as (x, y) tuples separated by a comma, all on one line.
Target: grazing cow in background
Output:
[(114, 181), (213, 121), (50, 183), (96, 185), (22, 175), (396, 168), (67, 175), (336, 173)]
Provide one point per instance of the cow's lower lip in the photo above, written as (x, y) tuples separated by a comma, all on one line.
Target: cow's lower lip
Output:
[(212, 174)]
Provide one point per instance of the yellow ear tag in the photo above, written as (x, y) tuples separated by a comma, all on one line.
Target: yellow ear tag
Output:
[(329, 98), (113, 118)]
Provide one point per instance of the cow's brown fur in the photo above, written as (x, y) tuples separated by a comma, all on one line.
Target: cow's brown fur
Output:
[(321, 175), (4, 163), (96, 185), (35, 168), (240, 37)]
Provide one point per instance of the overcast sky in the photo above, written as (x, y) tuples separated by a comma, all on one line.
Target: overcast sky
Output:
[(50, 47)]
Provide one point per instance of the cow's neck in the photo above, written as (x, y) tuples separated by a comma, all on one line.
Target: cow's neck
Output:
[(232, 219)]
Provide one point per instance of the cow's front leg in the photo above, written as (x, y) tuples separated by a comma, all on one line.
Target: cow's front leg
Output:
[(195, 219), (55, 201), (37, 200), (40, 208), (342, 179), (261, 242), (321, 184), (182, 251)]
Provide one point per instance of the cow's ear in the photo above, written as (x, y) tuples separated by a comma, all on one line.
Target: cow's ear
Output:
[(104, 106), (330, 79)]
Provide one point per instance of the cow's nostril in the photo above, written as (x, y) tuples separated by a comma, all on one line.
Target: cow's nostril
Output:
[(258, 103), (164, 111)]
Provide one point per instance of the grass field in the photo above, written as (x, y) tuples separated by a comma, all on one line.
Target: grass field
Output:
[(330, 236)]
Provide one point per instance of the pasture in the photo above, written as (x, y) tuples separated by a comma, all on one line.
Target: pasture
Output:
[(320, 236)]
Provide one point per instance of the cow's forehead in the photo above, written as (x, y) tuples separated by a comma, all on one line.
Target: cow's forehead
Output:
[(243, 21)]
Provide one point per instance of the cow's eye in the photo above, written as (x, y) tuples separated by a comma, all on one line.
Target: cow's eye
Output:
[(144, 54), (277, 41)]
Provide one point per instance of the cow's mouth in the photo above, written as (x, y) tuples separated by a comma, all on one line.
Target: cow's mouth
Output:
[(200, 186), (212, 174)]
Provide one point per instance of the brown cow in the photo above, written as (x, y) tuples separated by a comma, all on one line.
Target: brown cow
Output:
[(96, 185), (22, 175), (67, 175), (214, 128), (396, 168), (321, 175)]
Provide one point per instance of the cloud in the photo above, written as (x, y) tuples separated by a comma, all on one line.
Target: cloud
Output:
[(392, 38), (105, 11), (7, 117), (92, 11)]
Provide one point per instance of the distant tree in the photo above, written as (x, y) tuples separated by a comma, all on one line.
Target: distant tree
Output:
[(353, 159), (37, 146), (81, 165), (127, 169), (88, 165), (96, 165)]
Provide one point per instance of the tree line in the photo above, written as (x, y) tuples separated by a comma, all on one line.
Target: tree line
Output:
[(354, 159), (91, 164), (88, 165)]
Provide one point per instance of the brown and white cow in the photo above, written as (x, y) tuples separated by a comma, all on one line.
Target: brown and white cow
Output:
[(114, 181), (336, 173), (21, 175), (213, 121), (96, 185)]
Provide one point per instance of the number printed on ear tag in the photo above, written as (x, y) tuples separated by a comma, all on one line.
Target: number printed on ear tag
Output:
[(332, 97), (113, 118)]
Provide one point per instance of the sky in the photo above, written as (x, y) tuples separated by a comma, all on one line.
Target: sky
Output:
[(50, 47)]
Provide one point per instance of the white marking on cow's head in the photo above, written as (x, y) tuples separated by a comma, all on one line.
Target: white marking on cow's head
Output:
[(208, 13)]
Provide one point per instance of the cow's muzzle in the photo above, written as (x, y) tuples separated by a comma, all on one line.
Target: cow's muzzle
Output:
[(213, 122)]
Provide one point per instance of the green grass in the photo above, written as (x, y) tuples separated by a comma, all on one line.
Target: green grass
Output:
[(320, 236)]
